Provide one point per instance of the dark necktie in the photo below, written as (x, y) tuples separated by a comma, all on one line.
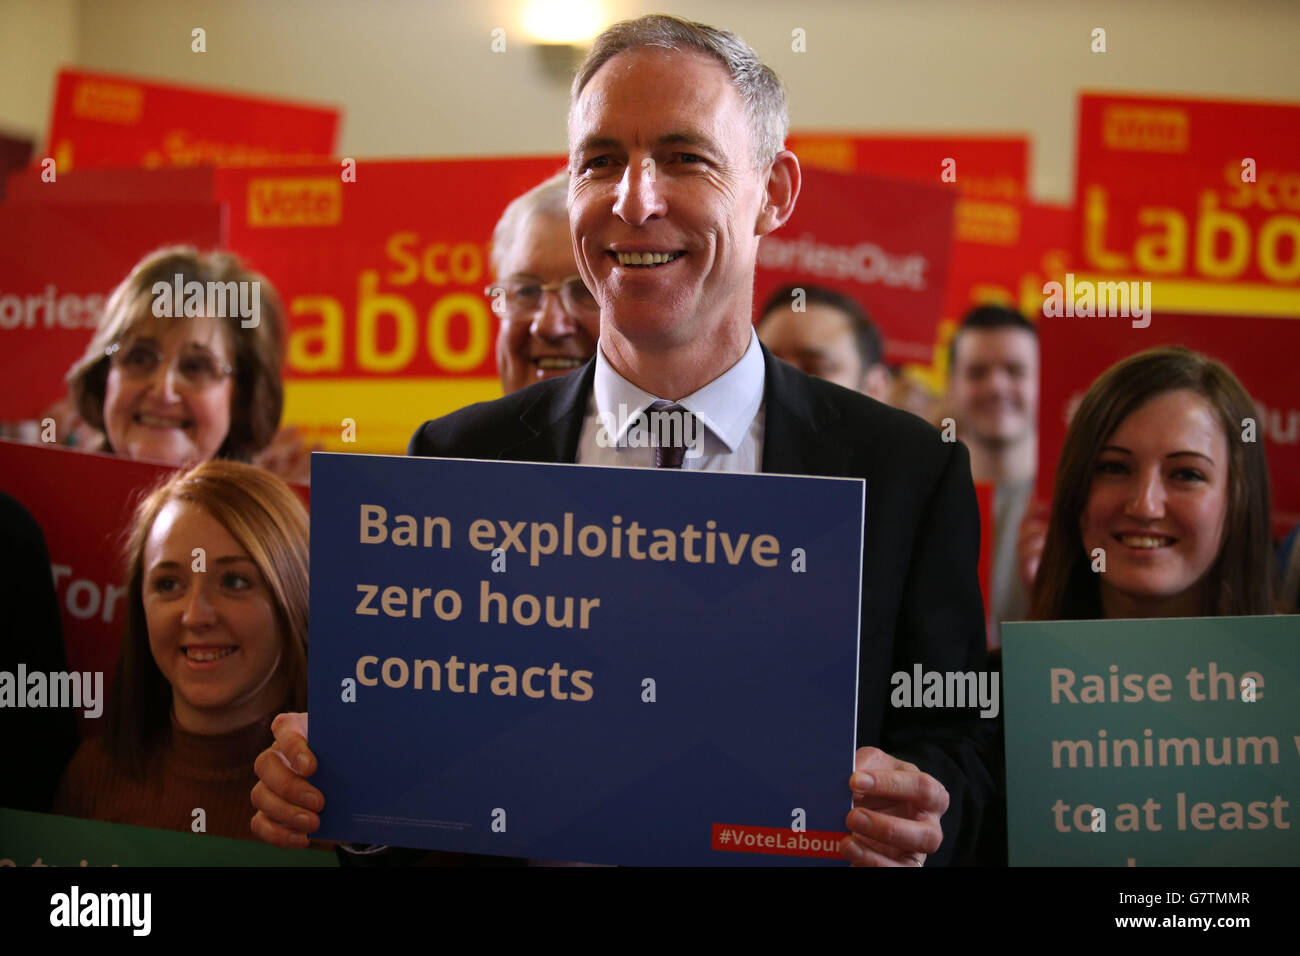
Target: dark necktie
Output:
[(670, 428)]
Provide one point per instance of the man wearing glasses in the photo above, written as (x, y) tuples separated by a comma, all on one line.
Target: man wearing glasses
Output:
[(549, 320)]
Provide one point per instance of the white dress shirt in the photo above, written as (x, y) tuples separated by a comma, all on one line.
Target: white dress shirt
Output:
[(730, 408)]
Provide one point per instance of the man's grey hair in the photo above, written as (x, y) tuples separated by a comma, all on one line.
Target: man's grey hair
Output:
[(548, 198), (759, 87)]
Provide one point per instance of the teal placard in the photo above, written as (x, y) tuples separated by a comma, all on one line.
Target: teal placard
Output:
[(44, 839), (1211, 781)]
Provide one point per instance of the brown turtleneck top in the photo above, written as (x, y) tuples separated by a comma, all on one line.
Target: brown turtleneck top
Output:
[(190, 771)]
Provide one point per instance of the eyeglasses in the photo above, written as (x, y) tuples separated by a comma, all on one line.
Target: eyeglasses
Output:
[(196, 370), (520, 298)]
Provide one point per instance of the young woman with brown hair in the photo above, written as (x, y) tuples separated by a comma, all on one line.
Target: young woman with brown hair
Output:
[(1162, 480)]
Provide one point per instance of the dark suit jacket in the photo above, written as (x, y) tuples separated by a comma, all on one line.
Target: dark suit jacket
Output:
[(921, 601)]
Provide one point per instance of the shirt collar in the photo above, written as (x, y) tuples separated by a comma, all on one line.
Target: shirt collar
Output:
[(726, 406)]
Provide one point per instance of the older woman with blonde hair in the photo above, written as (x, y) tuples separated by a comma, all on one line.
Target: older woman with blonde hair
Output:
[(215, 646), (181, 388)]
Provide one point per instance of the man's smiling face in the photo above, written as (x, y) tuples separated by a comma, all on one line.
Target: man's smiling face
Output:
[(665, 205)]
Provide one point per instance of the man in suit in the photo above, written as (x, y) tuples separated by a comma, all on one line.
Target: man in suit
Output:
[(676, 171)]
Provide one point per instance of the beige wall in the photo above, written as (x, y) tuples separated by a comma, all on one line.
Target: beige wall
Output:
[(418, 77), (36, 38)]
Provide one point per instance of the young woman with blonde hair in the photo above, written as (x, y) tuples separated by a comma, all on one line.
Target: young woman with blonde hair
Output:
[(215, 646)]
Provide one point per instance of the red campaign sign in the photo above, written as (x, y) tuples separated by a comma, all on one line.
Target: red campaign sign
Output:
[(104, 119), (363, 264), (988, 174), (84, 504), (1190, 189), (383, 280), (1038, 248), (58, 263), (885, 243), (1261, 352)]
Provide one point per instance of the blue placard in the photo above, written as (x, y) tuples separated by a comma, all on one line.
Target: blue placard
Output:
[(611, 663)]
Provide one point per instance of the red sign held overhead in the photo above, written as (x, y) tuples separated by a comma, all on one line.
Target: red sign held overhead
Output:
[(103, 119), (883, 242), (996, 236), (1192, 191)]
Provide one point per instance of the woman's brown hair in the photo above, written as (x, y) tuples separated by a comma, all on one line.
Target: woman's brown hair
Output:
[(269, 522), (1239, 581), (256, 352)]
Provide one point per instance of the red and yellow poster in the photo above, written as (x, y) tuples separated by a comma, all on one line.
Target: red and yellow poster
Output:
[(383, 280), (1200, 197), (58, 263), (103, 119)]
